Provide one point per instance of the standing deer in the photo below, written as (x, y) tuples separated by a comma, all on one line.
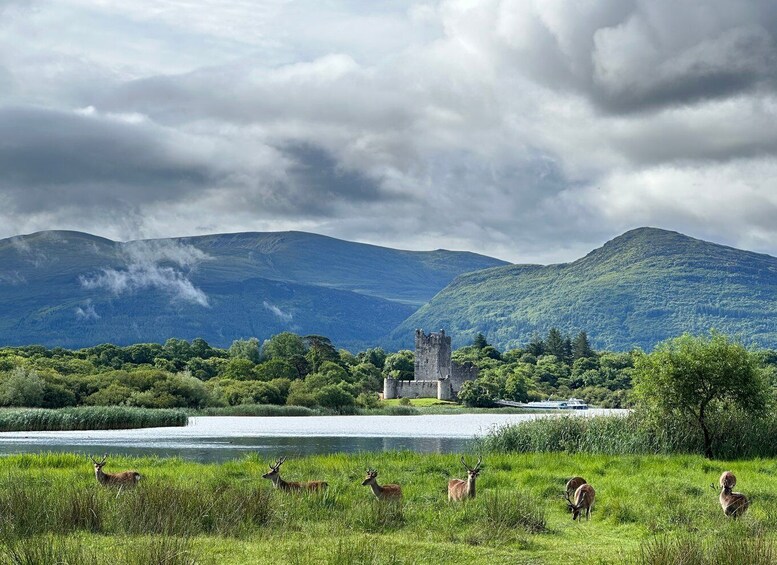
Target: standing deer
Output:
[(573, 484), (385, 492), (459, 489), (274, 475), (584, 500), (121, 480), (734, 504)]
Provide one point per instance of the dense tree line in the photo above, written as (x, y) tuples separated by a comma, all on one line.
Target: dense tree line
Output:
[(286, 369), (555, 366), (304, 371)]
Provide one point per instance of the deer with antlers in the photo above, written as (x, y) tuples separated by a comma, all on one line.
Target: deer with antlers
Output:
[(274, 475), (583, 501), (121, 480), (734, 504), (459, 489), (385, 492)]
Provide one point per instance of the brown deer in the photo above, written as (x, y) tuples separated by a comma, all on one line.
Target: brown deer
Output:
[(573, 484), (584, 500), (121, 480), (459, 489), (274, 475), (734, 504), (385, 492)]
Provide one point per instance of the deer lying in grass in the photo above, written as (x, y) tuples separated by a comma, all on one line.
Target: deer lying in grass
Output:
[(572, 486), (385, 492), (121, 480), (274, 475), (734, 504), (459, 489), (584, 500)]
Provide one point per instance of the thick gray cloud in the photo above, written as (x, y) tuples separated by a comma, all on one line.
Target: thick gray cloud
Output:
[(527, 129)]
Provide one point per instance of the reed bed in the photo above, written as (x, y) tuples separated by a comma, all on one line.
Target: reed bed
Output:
[(88, 418), (260, 410), (738, 436)]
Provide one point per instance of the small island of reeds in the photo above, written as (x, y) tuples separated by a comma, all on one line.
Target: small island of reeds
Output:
[(88, 418)]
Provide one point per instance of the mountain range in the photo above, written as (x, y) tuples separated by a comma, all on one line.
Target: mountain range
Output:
[(72, 289)]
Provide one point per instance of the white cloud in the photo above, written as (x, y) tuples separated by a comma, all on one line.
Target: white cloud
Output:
[(146, 269), (280, 314)]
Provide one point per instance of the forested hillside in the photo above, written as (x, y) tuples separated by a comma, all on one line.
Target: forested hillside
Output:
[(638, 289)]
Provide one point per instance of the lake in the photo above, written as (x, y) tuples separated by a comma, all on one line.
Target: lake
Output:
[(219, 438)]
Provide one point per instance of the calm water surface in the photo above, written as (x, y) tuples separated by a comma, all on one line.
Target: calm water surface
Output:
[(218, 438)]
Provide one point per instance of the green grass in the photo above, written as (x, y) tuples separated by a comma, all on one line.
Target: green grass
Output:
[(88, 418), (649, 509)]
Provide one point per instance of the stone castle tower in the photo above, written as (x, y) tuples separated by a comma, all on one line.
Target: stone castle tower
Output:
[(435, 375), (432, 356)]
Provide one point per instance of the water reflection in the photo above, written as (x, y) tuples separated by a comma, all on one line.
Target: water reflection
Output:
[(222, 438)]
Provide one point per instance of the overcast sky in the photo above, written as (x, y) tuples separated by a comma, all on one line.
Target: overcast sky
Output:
[(530, 130)]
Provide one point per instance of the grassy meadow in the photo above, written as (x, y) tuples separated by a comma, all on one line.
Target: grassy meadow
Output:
[(649, 509)]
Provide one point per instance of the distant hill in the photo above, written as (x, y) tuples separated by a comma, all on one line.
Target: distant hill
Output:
[(638, 289), (72, 289)]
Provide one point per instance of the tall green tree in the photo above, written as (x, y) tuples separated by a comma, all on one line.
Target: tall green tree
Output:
[(692, 377), (554, 344), (320, 349), (284, 345), (581, 347)]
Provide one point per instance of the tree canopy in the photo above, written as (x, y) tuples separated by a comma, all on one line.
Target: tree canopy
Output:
[(693, 377)]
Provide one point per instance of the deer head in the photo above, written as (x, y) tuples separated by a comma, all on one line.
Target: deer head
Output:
[(98, 465), (274, 469), (472, 471), (728, 480), (372, 474)]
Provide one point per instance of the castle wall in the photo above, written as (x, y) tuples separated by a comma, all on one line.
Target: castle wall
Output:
[(461, 374), (416, 389)]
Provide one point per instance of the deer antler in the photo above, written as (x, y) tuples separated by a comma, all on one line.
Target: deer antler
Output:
[(480, 461), (467, 467), (278, 463), (571, 504)]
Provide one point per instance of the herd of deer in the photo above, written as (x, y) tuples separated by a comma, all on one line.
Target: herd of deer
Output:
[(579, 494)]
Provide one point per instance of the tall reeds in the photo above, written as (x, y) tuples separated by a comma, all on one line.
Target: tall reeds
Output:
[(88, 418)]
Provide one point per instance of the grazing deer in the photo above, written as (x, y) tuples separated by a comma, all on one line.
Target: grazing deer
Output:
[(121, 480), (573, 484), (385, 492), (459, 489), (584, 500), (274, 475), (734, 504)]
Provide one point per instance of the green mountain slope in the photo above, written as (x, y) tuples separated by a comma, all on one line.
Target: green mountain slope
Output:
[(640, 288), (74, 289)]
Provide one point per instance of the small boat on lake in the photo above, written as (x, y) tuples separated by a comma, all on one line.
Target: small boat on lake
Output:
[(571, 404)]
